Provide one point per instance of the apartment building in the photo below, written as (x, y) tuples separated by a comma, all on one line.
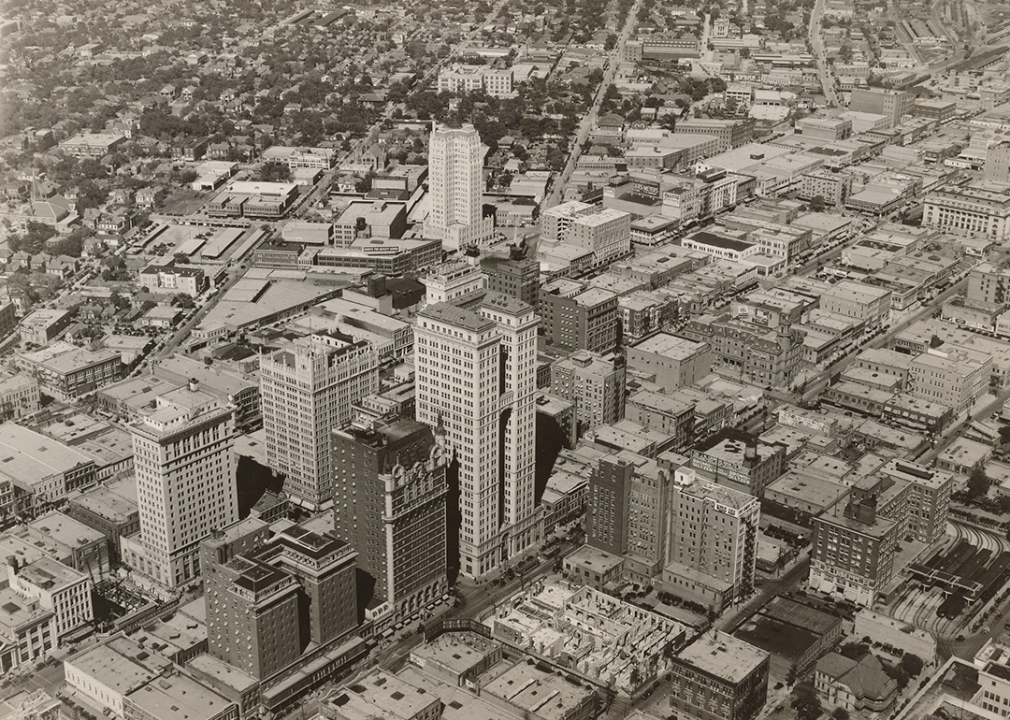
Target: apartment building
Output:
[(626, 512), (515, 276), (576, 317), (711, 555), (955, 377)]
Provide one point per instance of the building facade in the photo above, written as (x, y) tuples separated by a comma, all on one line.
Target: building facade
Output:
[(595, 384), (456, 184), (271, 595), (712, 541), (307, 390), (584, 320), (718, 677), (969, 211), (853, 550), (390, 505), (476, 379), (186, 484)]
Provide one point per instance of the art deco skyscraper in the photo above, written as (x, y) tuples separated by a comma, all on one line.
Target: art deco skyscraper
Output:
[(456, 184), (475, 378), (307, 389)]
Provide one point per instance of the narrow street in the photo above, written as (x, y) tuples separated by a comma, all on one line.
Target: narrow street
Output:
[(815, 385)]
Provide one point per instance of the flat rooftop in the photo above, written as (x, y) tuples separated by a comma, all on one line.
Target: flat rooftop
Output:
[(457, 652), (29, 457), (452, 315), (807, 488), (670, 346), (550, 696), (178, 698), (722, 656), (120, 664), (65, 530), (594, 559), (106, 504)]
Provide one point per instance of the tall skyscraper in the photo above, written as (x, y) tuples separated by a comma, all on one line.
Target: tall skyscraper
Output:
[(307, 389), (476, 377), (185, 483), (389, 498), (456, 183)]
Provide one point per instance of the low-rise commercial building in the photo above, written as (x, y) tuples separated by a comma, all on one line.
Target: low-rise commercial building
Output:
[(719, 671), (673, 361), (44, 325), (763, 355), (173, 279), (739, 461), (68, 372)]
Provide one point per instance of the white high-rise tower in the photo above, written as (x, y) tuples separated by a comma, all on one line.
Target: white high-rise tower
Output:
[(476, 377), (186, 487), (456, 183)]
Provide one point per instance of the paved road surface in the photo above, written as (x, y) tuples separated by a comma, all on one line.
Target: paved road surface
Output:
[(827, 79), (788, 582), (557, 191)]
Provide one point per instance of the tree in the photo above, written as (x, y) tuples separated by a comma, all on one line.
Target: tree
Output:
[(854, 651), (840, 713), (611, 42), (364, 185), (34, 239), (274, 171), (184, 301), (806, 703), (817, 204), (791, 675), (978, 482), (913, 664), (845, 54), (745, 52)]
